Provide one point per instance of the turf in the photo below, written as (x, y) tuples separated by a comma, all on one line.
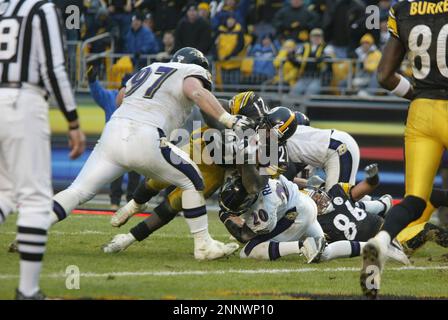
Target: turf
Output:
[(163, 267)]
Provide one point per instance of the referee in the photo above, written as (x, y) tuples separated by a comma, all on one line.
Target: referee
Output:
[(32, 65)]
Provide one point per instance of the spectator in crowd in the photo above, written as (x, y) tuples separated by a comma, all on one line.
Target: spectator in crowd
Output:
[(294, 21), (108, 101), (70, 34), (384, 6), (121, 13), (140, 40), (166, 14), (318, 7), (340, 17), (264, 53), (312, 70), (287, 72), (91, 10), (237, 9), (168, 47), (204, 11), (368, 57), (266, 9), (149, 22), (230, 49), (384, 32), (193, 31), (102, 23)]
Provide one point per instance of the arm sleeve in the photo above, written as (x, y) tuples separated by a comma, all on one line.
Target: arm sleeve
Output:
[(52, 61), (102, 96), (392, 25)]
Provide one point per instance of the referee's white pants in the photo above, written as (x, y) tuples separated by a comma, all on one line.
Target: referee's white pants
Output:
[(25, 156), (126, 145), (343, 159)]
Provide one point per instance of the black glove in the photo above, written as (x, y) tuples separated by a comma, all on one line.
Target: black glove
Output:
[(372, 176)]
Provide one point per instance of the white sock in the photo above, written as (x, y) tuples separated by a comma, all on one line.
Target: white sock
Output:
[(198, 224), (384, 239), (374, 206), (29, 277), (259, 252), (288, 248), (68, 200), (338, 249), (341, 249)]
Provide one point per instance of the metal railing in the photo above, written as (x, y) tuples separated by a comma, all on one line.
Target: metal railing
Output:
[(341, 76)]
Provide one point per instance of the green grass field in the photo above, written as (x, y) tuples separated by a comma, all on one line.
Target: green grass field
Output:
[(163, 267)]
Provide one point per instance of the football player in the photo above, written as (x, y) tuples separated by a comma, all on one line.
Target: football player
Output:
[(245, 103), (334, 151), (281, 221), (418, 29), (158, 99)]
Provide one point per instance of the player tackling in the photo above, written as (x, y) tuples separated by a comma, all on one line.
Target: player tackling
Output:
[(158, 99)]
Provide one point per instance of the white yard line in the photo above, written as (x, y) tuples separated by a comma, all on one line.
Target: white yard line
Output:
[(112, 233), (219, 272)]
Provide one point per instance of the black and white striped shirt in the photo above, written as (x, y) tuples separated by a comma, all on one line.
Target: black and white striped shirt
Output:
[(32, 50)]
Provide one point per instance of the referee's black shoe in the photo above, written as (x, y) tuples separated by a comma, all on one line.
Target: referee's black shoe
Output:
[(37, 296)]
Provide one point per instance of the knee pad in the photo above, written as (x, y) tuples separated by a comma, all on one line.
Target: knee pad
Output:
[(414, 205)]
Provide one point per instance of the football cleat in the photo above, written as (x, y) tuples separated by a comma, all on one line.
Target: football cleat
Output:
[(372, 266), (37, 296), (126, 212), (13, 247), (213, 249), (387, 200), (120, 242), (313, 248), (395, 251)]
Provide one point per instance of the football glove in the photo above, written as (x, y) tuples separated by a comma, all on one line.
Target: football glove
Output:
[(236, 122), (372, 176)]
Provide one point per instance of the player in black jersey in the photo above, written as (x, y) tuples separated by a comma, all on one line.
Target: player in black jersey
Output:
[(420, 30)]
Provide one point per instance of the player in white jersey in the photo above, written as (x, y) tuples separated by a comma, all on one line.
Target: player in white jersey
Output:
[(334, 151), (280, 221), (158, 99)]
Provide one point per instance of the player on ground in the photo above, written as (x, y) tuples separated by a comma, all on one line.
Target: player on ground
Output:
[(419, 29), (281, 221), (213, 179), (247, 104), (158, 99), (31, 63), (336, 152)]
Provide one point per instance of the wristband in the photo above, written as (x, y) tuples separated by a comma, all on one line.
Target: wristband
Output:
[(402, 88), (76, 127)]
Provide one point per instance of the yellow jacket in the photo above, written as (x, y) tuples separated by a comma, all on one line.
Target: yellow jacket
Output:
[(230, 46), (289, 71), (372, 61)]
